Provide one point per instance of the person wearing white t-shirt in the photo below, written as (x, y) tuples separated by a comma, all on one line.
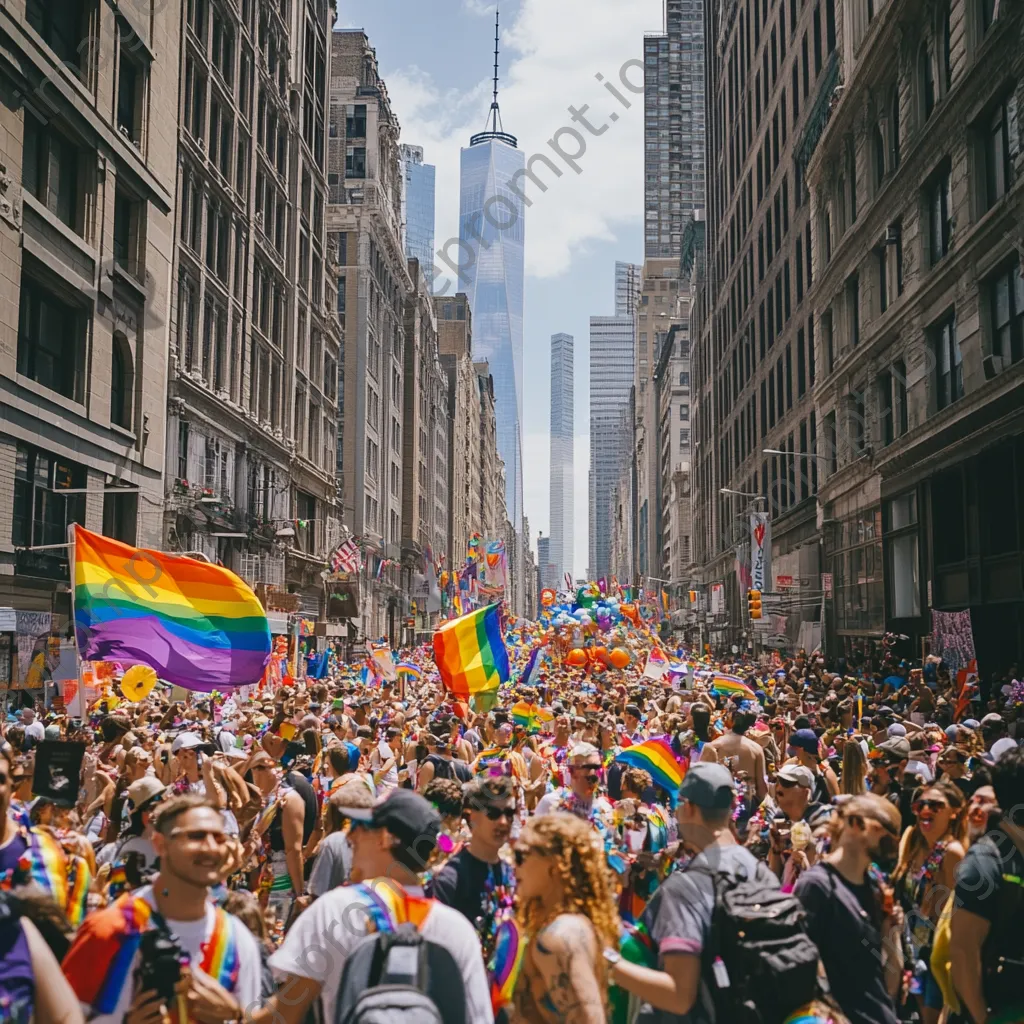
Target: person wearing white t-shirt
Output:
[(194, 851), (390, 844), (384, 760)]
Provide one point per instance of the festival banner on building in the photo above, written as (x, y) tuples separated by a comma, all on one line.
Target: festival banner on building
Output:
[(717, 598), (760, 551)]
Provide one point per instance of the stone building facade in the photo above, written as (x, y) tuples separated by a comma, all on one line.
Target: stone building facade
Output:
[(917, 202), (88, 101), (254, 347), (364, 220)]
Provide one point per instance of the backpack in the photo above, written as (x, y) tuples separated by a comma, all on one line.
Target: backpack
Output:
[(399, 975), (761, 965)]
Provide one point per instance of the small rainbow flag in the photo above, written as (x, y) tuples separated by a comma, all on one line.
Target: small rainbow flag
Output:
[(505, 964), (198, 625), (470, 654), (407, 670), (657, 664), (531, 716), (656, 757), (731, 686)]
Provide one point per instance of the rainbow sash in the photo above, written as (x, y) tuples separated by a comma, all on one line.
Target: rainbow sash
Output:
[(65, 878), (389, 905)]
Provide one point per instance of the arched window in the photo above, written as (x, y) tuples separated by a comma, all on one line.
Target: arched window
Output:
[(121, 383), (878, 145), (927, 79), (894, 125)]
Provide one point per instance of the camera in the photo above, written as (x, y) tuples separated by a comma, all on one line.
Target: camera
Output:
[(160, 959)]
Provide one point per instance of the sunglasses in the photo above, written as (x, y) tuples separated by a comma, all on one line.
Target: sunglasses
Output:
[(586, 767), (497, 813), (931, 805), (199, 835)]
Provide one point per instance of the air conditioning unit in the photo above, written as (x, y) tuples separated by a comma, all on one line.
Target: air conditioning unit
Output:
[(992, 364)]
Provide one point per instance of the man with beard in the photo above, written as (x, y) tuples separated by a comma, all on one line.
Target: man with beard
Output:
[(221, 967), (476, 881), (580, 797), (854, 924)]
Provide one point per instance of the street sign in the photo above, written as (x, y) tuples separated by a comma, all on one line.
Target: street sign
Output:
[(783, 582), (826, 583)]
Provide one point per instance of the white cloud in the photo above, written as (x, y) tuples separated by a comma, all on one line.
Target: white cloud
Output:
[(477, 7), (550, 55)]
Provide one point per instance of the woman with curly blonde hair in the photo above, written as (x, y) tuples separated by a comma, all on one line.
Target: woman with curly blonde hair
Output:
[(567, 914)]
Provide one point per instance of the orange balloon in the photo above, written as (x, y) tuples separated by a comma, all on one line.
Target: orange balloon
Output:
[(576, 657), (619, 657)]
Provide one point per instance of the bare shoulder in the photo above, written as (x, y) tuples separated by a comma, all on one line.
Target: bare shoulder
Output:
[(568, 933)]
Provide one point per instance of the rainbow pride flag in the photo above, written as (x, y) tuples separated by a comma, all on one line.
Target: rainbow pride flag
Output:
[(408, 670), (197, 625), (730, 686), (506, 963), (656, 757), (657, 664), (471, 655), (531, 716)]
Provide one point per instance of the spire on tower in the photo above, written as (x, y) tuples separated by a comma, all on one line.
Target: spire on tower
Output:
[(495, 129)]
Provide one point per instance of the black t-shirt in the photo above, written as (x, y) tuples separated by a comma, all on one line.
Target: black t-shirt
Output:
[(463, 881), (844, 920)]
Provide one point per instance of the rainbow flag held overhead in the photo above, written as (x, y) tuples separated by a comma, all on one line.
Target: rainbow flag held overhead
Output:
[(471, 655), (197, 625), (731, 686), (658, 758), (531, 716), (408, 670)]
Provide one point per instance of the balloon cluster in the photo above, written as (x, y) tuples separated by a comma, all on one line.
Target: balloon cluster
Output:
[(589, 608)]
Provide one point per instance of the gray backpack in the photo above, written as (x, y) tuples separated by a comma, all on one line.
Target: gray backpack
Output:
[(399, 975)]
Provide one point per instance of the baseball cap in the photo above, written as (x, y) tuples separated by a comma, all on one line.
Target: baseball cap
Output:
[(632, 709), (708, 786), (896, 729), (999, 748), (353, 793), (991, 717), (143, 790), (190, 741), (409, 817), (796, 773), (895, 749), (804, 739)]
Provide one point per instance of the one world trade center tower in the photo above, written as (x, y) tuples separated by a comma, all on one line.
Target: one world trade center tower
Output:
[(491, 231)]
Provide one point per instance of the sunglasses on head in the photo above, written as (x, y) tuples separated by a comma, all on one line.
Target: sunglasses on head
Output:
[(497, 813), (931, 805)]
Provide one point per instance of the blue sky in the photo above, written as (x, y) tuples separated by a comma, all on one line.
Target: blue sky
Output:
[(437, 62)]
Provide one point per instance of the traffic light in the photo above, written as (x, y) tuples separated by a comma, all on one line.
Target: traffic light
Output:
[(693, 597), (754, 604)]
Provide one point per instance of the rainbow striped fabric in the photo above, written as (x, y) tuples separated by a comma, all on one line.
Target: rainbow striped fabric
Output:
[(408, 670), (531, 716), (656, 757), (198, 625), (731, 686), (470, 654), (507, 961)]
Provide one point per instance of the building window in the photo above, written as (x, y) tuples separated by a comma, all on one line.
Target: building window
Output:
[(1000, 149), (121, 383), (183, 436), (51, 338), (949, 373), (831, 443), (61, 24), (947, 62), (857, 420), (828, 341), (131, 90), (988, 9), (900, 524), (878, 148), (926, 76), (894, 236), (894, 125), (128, 233), (355, 121), (1006, 305), (940, 224), (355, 162), (42, 512), (49, 171), (882, 273), (853, 308)]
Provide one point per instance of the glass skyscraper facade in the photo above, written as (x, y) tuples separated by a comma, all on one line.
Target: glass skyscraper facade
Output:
[(491, 230), (611, 378), (418, 208), (561, 441)]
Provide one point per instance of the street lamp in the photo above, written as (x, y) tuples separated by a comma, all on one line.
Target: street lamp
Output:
[(802, 455), (742, 494)]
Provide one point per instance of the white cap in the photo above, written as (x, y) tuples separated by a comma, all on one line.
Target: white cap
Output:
[(1001, 747), (897, 729), (186, 741)]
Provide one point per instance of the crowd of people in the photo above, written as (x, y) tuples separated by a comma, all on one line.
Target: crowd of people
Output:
[(843, 846)]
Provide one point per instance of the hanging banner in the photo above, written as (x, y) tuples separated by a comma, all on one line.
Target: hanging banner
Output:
[(717, 598), (760, 551)]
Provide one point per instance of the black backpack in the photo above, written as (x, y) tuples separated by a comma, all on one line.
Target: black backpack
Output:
[(399, 975), (760, 964)]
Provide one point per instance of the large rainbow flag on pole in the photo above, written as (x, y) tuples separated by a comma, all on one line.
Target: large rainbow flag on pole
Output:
[(197, 625), (471, 656)]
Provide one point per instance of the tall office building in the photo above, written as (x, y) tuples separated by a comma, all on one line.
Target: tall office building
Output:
[(418, 209), (561, 470), (611, 378), (491, 234), (673, 127), (628, 285)]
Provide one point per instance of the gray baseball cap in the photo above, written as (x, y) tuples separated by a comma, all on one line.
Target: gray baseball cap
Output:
[(708, 786)]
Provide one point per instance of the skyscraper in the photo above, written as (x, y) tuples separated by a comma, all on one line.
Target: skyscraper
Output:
[(561, 470), (491, 253), (418, 208), (674, 123), (611, 377)]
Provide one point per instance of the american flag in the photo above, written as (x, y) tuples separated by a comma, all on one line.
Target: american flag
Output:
[(346, 558)]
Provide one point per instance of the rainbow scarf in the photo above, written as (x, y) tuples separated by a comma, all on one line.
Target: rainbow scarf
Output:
[(506, 963), (111, 965)]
